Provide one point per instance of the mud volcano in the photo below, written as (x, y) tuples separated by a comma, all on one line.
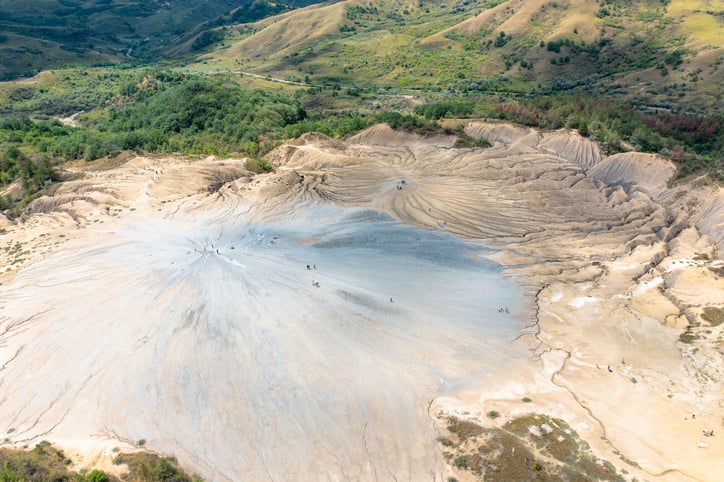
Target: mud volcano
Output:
[(311, 345), (324, 322)]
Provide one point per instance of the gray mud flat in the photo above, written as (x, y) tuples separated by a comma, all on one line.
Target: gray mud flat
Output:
[(211, 339)]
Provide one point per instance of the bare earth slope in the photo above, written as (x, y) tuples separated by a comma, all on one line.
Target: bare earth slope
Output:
[(170, 300)]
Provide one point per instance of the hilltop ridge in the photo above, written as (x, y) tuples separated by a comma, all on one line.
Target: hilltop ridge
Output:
[(665, 54), (60, 33)]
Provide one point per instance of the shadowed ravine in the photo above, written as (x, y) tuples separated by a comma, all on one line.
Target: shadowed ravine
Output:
[(209, 340)]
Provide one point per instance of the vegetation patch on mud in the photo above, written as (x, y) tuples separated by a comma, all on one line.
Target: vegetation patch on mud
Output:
[(713, 315), (531, 447), (48, 463)]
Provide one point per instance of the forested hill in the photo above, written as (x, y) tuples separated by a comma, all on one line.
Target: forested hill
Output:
[(41, 34)]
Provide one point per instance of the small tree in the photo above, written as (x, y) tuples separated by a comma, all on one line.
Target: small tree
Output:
[(583, 128), (97, 476)]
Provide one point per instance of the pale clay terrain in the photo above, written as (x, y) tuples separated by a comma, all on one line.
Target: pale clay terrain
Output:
[(169, 300)]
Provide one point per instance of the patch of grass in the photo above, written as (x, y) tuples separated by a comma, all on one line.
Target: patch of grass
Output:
[(43, 463), (704, 27), (145, 466), (259, 166), (464, 140), (688, 337), (461, 462), (446, 442), (464, 429), (532, 447), (713, 315), (512, 459), (559, 441)]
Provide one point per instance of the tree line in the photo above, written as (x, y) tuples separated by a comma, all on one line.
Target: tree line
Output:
[(169, 112)]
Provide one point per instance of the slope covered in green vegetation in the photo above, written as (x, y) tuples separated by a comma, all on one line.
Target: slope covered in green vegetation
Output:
[(641, 75), (172, 112), (152, 112), (45, 463), (658, 54), (57, 33)]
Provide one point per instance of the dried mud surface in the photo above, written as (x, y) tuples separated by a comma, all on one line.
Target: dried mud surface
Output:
[(169, 300)]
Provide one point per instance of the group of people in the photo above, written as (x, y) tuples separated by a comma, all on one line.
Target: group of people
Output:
[(503, 309), (316, 283), (705, 433), (310, 267)]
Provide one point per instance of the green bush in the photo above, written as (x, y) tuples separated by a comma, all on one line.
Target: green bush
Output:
[(204, 39), (97, 476), (445, 109)]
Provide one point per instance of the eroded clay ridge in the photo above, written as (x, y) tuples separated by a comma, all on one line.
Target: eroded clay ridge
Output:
[(551, 194)]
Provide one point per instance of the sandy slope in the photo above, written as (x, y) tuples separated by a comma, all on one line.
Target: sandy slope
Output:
[(123, 321)]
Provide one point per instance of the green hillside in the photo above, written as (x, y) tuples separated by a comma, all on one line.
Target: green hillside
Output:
[(41, 34), (657, 53)]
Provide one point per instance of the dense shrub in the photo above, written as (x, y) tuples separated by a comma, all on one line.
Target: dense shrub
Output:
[(202, 115), (205, 39), (445, 109)]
